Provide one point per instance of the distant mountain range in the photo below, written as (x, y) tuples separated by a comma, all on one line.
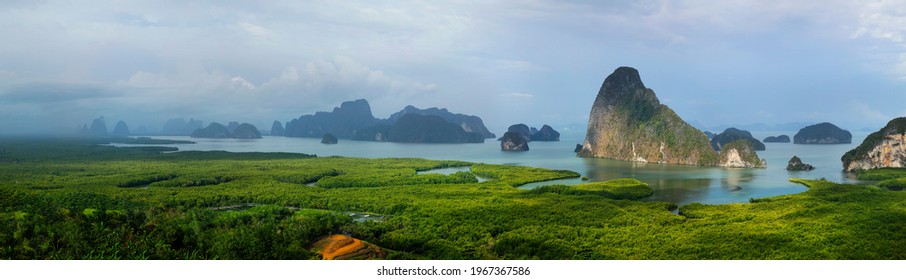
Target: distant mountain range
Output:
[(354, 120), (790, 126)]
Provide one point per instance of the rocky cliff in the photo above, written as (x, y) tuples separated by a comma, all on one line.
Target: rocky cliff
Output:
[(547, 133), (740, 153), (822, 133), (884, 148), (466, 122), (522, 129), (245, 131), (121, 129), (628, 122), (513, 141), (415, 128), (343, 121), (329, 139), (98, 127), (777, 139), (277, 129), (795, 164), (733, 134), (213, 130)]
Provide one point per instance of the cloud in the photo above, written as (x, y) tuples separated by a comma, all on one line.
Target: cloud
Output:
[(518, 95), (885, 21), (43, 93), (865, 112)]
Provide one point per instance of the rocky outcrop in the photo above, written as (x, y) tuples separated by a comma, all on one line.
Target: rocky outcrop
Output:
[(277, 129), (741, 154), (522, 129), (513, 141), (415, 128), (231, 126), (822, 133), (628, 122), (777, 139), (342, 122), (245, 131), (121, 129), (214, 130), (883, 148), (376, 133), (98, 127), (468, 123), (219, 131), (546, 133), (578, 148), (329, 139), (795, 164), (709, 134), (733, 134)]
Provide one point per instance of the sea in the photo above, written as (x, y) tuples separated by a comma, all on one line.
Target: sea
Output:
[(671, 183)]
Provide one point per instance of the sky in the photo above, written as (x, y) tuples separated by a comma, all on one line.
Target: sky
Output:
[(64, 63)]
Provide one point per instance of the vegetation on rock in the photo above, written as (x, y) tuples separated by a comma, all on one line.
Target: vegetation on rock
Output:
[(733, 134), (777, 139), (628, 122), (795, 164), (883, 148), (822, 133), (513, 141), (329, 139), (740, 153)]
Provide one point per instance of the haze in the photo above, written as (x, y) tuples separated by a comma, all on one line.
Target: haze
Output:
[(64, 63)]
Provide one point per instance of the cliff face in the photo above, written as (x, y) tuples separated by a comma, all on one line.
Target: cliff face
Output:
[(628, 122), (466, 122), (121, 129), (415, 128), (741, 154), (277, 129), (884, 148), (343, 121), (246, 131), (822, 133), (513, 141), (547, 133), (733, 134), (777, 139), (214, 130)]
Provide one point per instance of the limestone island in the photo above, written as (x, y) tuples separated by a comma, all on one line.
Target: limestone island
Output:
[(822, 133), (883, 148)]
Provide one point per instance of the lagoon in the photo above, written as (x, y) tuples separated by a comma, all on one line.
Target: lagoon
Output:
[(671, 183)]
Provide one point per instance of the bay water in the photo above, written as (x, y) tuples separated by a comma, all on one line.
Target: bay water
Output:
[(671, 183)]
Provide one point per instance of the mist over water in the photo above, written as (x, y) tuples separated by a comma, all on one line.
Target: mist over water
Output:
[(678, 184)]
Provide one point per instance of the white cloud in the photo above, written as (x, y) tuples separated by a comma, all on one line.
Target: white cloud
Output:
[(865, 112), (518, 95)]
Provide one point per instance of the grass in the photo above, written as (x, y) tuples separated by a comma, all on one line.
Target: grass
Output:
[(70, 203)]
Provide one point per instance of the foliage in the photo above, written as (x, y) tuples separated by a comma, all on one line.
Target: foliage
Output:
[(732, 134), (626, 188), (514, 175), (893, 184), (814, 134), (881, 174), (265, 212)]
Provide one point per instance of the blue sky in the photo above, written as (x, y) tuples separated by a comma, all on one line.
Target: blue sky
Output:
[(64, 63)]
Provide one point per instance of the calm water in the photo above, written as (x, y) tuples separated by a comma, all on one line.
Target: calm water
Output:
[(679, 184)]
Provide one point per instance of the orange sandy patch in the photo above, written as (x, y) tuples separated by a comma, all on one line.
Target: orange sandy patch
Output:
[(342, 247)]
